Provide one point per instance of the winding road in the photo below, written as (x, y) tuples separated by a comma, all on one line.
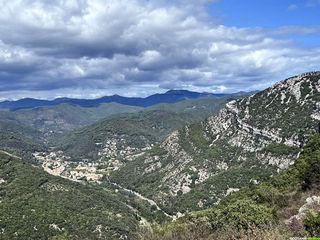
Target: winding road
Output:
[(150, 201)]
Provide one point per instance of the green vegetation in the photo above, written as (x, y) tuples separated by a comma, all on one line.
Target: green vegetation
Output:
[(136, 130), (131, 178), (53, 121), (215, 188), (284, 114), (56, 120), (312, 224), (259, 210), (281, 149), (202, 167), (19, 139), (35, 205), (197, 109)]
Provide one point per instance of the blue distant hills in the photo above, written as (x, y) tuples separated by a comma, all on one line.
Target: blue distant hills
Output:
[(171, 96)]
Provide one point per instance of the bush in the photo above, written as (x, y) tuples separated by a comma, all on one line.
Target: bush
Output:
[(281, 149), (266, 193), (243, 214), (312, 224), (309, 163)]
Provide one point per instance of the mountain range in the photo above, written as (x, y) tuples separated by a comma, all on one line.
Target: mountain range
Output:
[(40, 127), (171, 96)]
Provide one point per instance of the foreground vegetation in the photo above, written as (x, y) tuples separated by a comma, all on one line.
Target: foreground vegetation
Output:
[(35, 205), (268, 210)]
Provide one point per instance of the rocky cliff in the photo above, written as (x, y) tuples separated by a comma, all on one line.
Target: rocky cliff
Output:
[(248, 140)]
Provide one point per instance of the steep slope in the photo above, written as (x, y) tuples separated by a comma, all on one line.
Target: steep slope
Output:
[(36, 205), (286, 205), (141, 129), (247, 141)]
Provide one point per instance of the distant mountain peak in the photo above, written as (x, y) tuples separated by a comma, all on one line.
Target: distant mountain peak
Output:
[(179, 91)]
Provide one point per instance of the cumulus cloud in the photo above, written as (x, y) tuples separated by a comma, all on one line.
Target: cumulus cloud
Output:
[(85, 48)]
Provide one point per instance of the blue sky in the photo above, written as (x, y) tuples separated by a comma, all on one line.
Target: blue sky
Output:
[(91, 48), (271, 14), (267, 13)]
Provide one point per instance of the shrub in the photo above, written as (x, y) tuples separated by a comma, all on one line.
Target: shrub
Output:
[(243, 214), (309, 163), (312, 224), (266, 193)]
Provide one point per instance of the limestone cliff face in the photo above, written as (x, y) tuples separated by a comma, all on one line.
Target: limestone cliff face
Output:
[(250, 138)]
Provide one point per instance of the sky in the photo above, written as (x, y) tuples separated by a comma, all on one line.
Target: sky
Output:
[(93, 48)]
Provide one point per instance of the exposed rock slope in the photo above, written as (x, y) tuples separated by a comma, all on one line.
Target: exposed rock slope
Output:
[(249, 139)]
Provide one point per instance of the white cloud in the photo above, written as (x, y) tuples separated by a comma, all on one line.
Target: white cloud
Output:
[(132, 47)]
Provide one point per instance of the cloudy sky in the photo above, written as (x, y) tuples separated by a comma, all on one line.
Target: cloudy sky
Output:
[(90, 48)]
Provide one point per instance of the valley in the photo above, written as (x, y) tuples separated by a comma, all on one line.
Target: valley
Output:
[(168, 163), (159, 120)]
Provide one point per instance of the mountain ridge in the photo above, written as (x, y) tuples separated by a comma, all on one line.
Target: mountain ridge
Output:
[(171, 96)]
